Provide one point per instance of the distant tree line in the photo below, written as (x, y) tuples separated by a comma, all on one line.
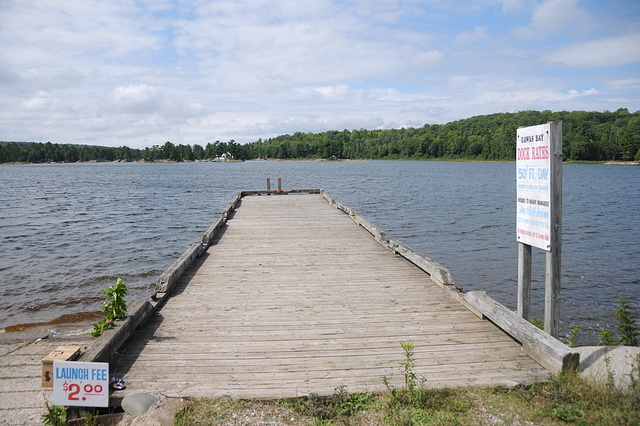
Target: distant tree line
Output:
[(171, 152), (587, 136), (37, 152)]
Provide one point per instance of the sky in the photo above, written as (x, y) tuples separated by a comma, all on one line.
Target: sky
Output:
[(139, 73)]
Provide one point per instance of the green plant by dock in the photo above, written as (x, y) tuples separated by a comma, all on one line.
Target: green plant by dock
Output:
[(627, 332), (55, 415), (626, 327), (114, 305)]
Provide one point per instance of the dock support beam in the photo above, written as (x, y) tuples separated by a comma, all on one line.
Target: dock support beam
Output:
[(554, 256)]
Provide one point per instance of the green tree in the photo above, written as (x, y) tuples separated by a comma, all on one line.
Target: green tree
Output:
[(168, 151), (198, 152), (235, 149)]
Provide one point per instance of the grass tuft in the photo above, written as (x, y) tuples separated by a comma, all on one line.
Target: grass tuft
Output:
[(341, 407)]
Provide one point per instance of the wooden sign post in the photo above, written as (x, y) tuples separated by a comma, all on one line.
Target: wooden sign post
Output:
[(539, 215)]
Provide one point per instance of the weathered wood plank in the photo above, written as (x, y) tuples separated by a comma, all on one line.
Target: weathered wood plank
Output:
[(208, 235), (348, 210), (171, 275), (232, 205), (378, 233), (435, 270), (295, 371), (303, 364), (293, 349), (280, 318), (271, 389), (548, 351), (338, 336)]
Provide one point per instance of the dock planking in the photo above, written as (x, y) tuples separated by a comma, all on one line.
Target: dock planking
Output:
[(293, 297)]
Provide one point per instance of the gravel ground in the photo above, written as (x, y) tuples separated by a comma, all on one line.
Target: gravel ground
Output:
[(164, 411), (22, 398)]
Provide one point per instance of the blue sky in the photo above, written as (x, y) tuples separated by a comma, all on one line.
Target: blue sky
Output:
[(139, 73)]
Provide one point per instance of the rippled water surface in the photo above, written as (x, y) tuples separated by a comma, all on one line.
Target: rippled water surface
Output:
[(69, 230)]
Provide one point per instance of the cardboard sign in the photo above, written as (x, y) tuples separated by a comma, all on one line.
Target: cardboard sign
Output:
[(61, 353), (533, 162), (81, 384)]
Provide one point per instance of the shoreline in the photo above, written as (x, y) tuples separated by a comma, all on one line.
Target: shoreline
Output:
[(42, 332), (78, 324), (622, 163)]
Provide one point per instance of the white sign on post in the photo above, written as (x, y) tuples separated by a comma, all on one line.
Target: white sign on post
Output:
[(533, 161), (539, 215), (81, 384)]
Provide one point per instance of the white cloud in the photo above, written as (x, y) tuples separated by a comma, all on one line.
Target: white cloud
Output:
[(139, 98), (428, 59), (333, 91), (554, 16), (601, 53), (629, 85), (75, 30), (514, 6), (158, 5), (589, 92), (592, 91), (38, 103), (478, 34), (306, 46)]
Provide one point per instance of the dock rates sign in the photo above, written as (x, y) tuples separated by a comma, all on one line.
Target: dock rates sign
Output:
[(533, 161)]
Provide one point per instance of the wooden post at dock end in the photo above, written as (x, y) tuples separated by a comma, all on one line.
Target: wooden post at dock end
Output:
[(554, 256), (268, 184), (279, 185), (524, 281)]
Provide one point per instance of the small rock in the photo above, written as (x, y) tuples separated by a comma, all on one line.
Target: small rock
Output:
[(138, 403)]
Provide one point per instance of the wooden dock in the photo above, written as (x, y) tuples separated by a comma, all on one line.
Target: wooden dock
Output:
[(294, 297)]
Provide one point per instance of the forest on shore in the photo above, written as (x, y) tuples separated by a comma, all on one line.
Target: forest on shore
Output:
[(587, 136)]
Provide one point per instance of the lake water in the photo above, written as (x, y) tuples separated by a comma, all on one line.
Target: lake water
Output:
[(69, 230)]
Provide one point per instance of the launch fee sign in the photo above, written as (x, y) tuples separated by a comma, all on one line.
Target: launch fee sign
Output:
[(81, 384)]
